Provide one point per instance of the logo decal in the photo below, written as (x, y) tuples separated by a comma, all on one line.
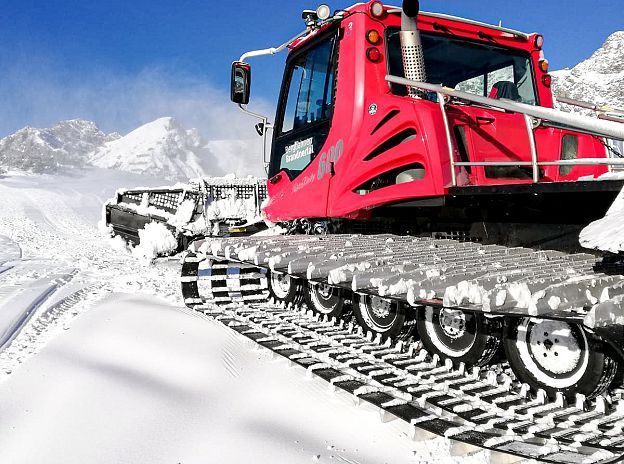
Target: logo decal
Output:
[(299, 149)]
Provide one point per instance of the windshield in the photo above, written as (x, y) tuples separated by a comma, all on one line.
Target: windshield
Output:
[(477, 68)]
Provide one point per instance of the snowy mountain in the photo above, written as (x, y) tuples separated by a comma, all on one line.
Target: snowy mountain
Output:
[(68, 144), (161, 148), (599, 79)]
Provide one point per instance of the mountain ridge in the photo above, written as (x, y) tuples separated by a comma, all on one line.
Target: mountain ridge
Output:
[(599, 79)]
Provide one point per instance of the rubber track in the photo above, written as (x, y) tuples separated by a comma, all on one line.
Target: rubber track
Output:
[(483, 408), (424, 271), (480, 408)]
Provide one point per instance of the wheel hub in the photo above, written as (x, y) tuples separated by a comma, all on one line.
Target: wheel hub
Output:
[(453, 323), (554, 347), (280, 283), (380, 307), (324, 291)]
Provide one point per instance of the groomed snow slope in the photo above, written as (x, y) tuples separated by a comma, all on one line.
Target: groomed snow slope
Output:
[(136, 379)]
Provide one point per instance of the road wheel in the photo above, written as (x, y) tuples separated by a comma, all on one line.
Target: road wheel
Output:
[(559, 357), (392, 319), (284, 288), (461, 336), (325, 299)]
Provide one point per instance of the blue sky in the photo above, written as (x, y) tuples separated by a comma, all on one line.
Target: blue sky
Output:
[(118, 62)]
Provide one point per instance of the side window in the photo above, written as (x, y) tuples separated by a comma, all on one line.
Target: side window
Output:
[(474, 85), (524, 81), (309, 104), (309, 95), (505, 74)]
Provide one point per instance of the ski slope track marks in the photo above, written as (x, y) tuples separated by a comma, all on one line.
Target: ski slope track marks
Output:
[(54, 264)]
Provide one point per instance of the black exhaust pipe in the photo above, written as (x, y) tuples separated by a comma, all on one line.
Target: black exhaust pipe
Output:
[(411, 8), (411, 45)]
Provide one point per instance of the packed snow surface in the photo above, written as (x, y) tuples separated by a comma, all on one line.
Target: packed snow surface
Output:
[(138, 380), (112, 368)]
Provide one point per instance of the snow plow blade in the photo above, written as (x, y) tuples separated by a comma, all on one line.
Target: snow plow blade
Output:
[(207, 207), (132, 210)]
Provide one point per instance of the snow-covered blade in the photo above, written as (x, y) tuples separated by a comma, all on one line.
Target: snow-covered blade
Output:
[(202, 207)]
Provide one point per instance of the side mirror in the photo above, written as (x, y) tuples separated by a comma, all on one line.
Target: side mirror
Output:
[(241, 82)]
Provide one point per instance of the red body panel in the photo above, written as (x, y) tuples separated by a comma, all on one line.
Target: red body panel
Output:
[(363, 99)]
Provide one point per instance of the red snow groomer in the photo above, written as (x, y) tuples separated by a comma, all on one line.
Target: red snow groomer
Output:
[(469, 148), (412, 155)]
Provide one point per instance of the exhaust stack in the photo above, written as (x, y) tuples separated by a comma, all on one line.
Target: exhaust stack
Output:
[(411, 46)]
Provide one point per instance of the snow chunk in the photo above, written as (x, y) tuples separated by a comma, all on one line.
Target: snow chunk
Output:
[(156, 240), (183, 215), (554, 302)]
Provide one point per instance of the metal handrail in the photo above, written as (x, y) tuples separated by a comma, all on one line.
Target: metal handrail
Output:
[(601, 128)]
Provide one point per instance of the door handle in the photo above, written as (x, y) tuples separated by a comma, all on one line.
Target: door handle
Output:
[(483, 120)]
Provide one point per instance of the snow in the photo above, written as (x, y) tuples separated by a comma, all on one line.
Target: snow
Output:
[(126, 374), (196, 398), (63, 146), (232, 207), (183, 215), (161, 147), (606, 234), (598, 80), (155, 240)]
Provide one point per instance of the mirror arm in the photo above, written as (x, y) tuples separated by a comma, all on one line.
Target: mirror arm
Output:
[(265, 119), (272, 50), (267, 125)]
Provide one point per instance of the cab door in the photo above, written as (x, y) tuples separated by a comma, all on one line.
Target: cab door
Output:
[(499, 136), (302, 129)]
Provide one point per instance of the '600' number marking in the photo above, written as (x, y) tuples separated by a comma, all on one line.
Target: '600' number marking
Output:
[(328, 158)]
